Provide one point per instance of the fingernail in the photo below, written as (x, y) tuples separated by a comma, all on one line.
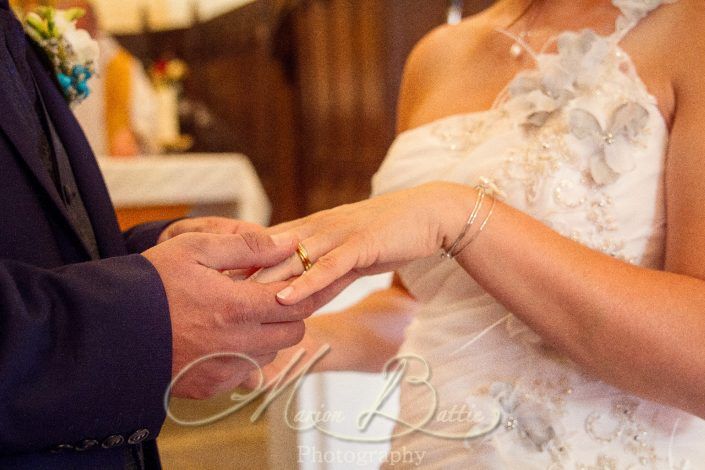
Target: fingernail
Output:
[(286, 293), (282, 239)]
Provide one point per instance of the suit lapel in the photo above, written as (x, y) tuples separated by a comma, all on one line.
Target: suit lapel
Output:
[(89, 179), (17, 125)]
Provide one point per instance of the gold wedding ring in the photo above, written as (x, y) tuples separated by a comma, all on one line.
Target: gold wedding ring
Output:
[(302, 253)]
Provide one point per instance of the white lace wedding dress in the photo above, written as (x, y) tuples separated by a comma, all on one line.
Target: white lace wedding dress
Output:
[(579, 144)]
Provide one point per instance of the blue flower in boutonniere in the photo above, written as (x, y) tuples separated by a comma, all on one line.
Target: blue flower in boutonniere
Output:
[(71, 51)]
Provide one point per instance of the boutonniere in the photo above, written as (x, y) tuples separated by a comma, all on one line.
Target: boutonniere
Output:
[(72, 52)]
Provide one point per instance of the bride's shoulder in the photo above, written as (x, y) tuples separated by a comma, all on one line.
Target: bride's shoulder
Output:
[(438, 57), (687, 7), (676, 19), (450, 42), (682, 42), (686, 20), (668, 47)]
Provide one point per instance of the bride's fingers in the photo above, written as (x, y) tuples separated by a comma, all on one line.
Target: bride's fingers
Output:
[(290, 267), (325, 271), (281, 228), (315, 247), (301, 227), (293, 266)]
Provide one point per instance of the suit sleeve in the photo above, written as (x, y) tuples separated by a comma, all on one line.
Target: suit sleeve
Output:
[(85, 352), (144, 236)]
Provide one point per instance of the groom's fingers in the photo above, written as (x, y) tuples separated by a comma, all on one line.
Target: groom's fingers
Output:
[(242, 251), (227, 373), (271, 321), (240, 375), (253, 303)]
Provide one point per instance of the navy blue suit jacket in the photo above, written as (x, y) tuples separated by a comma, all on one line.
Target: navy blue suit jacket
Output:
[(85, 346)]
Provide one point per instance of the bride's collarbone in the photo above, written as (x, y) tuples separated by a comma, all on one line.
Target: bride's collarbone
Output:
[(472, 83), (473, 65)]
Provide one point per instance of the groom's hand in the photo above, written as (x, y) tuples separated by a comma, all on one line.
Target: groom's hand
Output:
[(221, 225), (210, 313)]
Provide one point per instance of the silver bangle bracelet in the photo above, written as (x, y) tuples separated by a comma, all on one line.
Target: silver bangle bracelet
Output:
[(451, 253), (454, 251), (481, 229)]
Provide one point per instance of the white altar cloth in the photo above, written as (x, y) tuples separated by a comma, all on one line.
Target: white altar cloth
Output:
[(213, 184)]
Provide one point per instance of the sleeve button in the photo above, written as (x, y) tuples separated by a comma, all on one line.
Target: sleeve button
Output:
[(113, 441), (61, 448), (87, 444), (138, 437)]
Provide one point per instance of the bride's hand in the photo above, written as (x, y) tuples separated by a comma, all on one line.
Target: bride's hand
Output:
[(371, 236)]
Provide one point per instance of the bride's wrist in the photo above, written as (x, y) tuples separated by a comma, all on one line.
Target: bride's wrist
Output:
[(457, 204)]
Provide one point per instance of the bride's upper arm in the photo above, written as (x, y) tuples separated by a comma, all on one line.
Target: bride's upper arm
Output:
[(685, 165)]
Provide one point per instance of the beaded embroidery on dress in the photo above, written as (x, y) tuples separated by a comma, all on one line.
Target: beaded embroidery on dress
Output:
[(578, 143)]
